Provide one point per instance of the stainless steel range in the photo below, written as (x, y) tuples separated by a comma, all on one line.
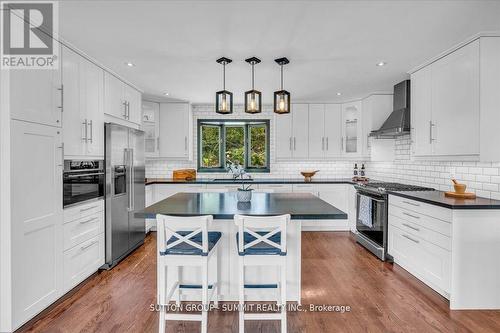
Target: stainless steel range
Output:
[(372, 214)]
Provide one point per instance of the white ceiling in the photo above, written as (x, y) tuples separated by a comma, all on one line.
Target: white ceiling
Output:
[(333, 46)]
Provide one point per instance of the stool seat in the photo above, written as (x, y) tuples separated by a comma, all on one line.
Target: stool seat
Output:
[(187, 249), (261, 248)]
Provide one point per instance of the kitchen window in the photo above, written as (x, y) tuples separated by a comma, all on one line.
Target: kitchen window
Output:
[(244, 142)]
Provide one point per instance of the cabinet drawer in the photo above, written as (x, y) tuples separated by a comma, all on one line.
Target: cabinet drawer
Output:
[(425, 221), (428, 262), (308, 188), (83, 260), (283, 188), (424, 233), (77, 212), (82, 229), (422, 208)]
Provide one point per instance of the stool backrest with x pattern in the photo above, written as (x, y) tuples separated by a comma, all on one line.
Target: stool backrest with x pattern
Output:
[(262, 228), (168, 226)]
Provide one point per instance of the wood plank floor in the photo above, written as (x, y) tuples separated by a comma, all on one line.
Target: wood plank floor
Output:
[(335, 270)]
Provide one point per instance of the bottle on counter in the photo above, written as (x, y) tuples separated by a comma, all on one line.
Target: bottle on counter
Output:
[(355, 170), (362, 173)]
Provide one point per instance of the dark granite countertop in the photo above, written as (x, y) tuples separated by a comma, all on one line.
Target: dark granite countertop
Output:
[(301, 206), (211, 181), (439, 199)]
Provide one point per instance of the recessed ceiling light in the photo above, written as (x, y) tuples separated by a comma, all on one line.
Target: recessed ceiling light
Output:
[(129, 64), (166, 93), (382, 63), (339, 93)]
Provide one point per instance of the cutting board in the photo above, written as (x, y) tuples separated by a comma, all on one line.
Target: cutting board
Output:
[(184, 174), (466, 195)]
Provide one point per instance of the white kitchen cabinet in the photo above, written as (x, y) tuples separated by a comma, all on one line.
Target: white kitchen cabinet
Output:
[(421, 116), (292, 133), (455, 102), (36, 196), (351, 129), (83, 106), (121, 100), (151, 128), (36, 95), (324, 130), (276, 188), (175, 131), (376, 109)]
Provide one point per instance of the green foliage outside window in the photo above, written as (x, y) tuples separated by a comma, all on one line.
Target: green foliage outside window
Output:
[(240, 142)]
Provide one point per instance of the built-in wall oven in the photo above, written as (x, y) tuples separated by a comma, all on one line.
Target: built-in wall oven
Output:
[(82, 181)]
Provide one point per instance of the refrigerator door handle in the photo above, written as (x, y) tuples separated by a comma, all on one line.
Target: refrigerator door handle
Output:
[(132, 179)]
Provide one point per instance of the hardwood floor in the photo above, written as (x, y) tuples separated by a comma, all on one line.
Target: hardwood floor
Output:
[(335, 270)]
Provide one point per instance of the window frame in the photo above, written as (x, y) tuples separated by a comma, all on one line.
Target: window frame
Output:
[(246, 123)]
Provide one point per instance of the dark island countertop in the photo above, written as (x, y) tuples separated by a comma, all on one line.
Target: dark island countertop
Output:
[(224, 205), (211, 181), (439, 199)]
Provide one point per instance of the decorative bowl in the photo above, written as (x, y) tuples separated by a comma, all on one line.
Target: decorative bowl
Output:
[(308, 175)]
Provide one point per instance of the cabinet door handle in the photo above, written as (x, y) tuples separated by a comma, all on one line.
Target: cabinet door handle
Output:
[(62, 97), (91, 131), (86, 209), (158, 143), (410, 215), (323, 143), (411, 227), (326, 143), (125, 109), (294, 143), (185, 143), (411, 203), (431, 125), (89, 220), (368, 141), (83, 248), (290, 142), (413, 240), (85, 130), (342, 143), (62, 153)]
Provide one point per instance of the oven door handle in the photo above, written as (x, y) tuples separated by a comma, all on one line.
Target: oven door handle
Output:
[(85, 174), (372, 198)]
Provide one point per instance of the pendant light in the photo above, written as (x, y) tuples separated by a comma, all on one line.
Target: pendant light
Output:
[(282, 97), (253, 98), (224, 98)]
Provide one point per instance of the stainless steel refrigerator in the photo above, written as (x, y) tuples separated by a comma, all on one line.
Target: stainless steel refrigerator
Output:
[(125, 191)]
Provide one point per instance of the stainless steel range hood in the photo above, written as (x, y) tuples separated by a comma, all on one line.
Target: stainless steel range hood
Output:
[(398, 122)]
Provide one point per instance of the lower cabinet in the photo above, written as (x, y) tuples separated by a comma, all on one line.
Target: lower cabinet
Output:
[(83, 242), (421, 244)]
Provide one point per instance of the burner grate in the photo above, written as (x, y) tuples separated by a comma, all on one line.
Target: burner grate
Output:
[(398, 187)]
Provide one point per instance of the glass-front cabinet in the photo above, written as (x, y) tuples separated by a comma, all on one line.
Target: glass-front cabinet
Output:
[(150, 126), (351, 128)]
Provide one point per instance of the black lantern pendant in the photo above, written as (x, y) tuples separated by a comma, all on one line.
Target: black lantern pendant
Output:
[(224, 98), (282, 97), (253, 98)]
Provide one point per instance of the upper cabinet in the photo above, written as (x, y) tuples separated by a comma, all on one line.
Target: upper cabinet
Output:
[(151, 128), (351, 129), (325, 130), (376, 110), (455, 104), (121, 100), (83, 118), (45, 92), (292, 133), (175, 128)]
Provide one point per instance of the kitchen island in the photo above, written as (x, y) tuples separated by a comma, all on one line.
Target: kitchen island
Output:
[(223, 206)]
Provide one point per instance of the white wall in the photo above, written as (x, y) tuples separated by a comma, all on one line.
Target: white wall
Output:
[(160, 168), (481, 178)]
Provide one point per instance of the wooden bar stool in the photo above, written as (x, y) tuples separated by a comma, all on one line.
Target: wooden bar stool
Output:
[(186, 241), (261, 241)]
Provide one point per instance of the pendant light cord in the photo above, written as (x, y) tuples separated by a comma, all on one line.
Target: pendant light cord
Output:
[(224, 76), (281, 66), (253, 79)]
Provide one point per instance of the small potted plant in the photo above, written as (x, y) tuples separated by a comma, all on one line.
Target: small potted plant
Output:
[(244, 193)]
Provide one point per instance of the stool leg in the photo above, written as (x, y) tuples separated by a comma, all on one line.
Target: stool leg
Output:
[(241, 293), (162, 321), (217, 279), (283, 295), (160, 281), (177, 293), (204, 296)]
